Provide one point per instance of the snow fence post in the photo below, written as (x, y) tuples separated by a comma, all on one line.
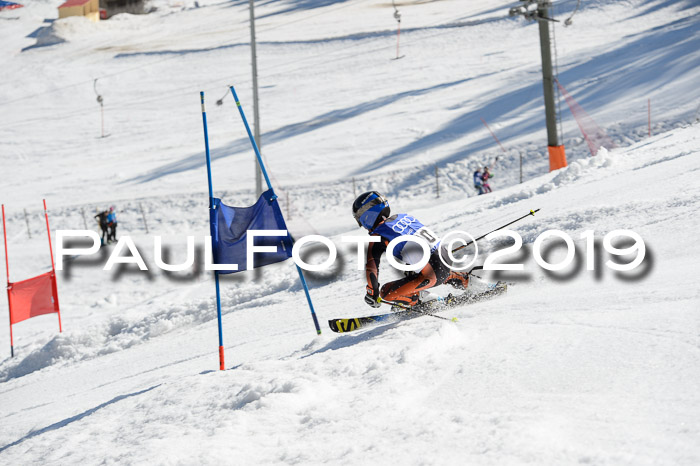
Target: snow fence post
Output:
[(212, 233), (274, 198), (143, 216), (26, 220), (437, 181)]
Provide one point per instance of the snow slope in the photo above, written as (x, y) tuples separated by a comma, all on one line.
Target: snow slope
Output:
[(579, 367), (463, 62), (595, 371)]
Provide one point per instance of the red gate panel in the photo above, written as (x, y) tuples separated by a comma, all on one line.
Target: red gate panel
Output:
[(33, 297)]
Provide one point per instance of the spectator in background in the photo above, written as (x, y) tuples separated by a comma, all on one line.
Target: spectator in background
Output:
[(485, 179), (112, 225), (478, 181), (102, 220)]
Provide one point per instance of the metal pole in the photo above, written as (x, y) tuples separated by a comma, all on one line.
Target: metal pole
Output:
[(82, 213), (397, 17), (256, 109), (212, 232), (398, 38), (547, 75), (557, 155), (354, 188), (7, 272), (26, 219)]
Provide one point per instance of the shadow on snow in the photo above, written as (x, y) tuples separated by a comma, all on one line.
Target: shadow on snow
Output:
[(77, 417)]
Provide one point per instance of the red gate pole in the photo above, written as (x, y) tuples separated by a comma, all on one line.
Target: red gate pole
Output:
[(53, 269), (7, 272)]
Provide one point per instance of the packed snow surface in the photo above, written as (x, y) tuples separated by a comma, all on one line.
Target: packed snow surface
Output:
[(571, 367)]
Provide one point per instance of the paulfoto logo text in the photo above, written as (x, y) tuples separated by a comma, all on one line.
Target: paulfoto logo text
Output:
[(126, 252)]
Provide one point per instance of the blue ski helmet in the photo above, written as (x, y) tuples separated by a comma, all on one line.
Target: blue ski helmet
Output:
[(369, 209)]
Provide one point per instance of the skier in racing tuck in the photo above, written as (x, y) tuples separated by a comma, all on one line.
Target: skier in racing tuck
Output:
[(371, 210)]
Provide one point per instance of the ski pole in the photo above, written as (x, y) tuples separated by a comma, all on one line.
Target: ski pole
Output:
[(478, 267), (532, 212), (409, 308)]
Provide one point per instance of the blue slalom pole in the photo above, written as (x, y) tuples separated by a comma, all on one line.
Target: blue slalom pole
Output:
[(269, 185), (252, 139), (212, 232)]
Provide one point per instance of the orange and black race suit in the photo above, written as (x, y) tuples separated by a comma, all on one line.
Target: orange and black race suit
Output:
[(406, 290)]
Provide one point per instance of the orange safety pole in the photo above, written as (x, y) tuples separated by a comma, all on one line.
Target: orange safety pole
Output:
[(53, 270), (557, 157), (7, 271)]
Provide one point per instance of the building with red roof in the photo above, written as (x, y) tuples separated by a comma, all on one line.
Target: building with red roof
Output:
[(88, 8)]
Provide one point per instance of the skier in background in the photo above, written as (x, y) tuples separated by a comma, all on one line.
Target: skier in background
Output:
[(102, 220), (371, 211), (478, 181), (485, 178), (112, 225)]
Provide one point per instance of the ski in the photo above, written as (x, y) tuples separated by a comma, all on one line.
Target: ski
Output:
[(348, 325), (428, 308)]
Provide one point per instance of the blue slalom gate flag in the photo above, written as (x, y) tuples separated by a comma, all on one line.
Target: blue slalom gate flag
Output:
[(230, 227)]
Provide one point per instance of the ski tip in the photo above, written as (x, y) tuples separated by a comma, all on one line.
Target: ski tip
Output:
[(333, 325), (344, 325), (454, 319)]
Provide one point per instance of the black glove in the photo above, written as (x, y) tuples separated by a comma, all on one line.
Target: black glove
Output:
[(372, 297)]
